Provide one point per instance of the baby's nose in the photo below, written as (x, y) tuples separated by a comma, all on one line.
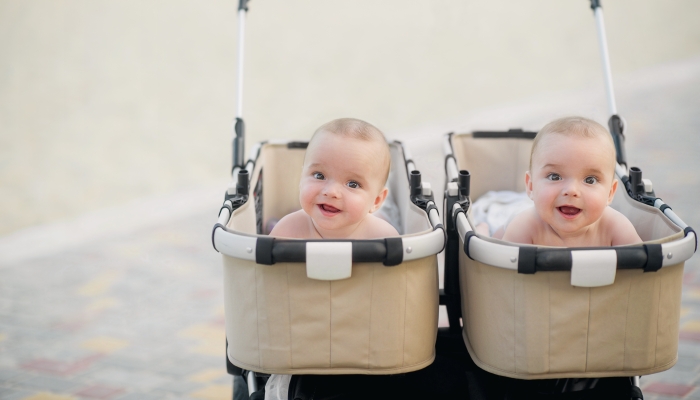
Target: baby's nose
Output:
[(572, 188), (331, 189)]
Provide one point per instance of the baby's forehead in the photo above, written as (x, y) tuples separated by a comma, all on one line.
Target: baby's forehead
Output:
[(553, 143)]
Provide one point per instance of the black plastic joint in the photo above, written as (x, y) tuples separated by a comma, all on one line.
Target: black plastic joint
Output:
[(394, 251), (665, 207), (527, 260), (243, 5), (467, 237), (595, 4), (655, 257), (687, 230), (213, 232)]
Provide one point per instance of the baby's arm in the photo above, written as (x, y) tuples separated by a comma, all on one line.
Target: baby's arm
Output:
[(622, 230), (521, 228)]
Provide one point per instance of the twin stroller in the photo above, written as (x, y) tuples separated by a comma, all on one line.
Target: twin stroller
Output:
[(523, 320)]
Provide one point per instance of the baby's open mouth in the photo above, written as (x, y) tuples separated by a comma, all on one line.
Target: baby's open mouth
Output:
[(328, 208), (569, 211)]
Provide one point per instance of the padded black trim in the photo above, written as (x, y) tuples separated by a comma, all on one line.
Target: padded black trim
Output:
[(439, 226), (289, 251), (394, 251), (687, 230), (297, 145), (368, 250), (631, 257), (263, 250), (555, 259), (467, 237), (655, 257), (218, 225), (664, 207), (510, 133), (527, 260)]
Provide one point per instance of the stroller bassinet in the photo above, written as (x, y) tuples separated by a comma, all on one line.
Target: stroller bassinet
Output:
[(324, 306), (536, 312), (525, 316)]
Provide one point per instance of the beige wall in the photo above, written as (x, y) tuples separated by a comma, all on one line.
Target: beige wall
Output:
[(105, 102)]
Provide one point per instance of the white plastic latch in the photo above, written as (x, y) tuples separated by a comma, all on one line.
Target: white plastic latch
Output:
[(452, 189), (593, 268), (328, 261), (647, 185), (427, 190)]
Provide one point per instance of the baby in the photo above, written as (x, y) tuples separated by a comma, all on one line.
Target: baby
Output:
[(342, 183), (571, 181)]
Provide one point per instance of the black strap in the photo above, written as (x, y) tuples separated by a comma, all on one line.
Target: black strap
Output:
[(687, 230), (467, 238), (655, 257), (394, 251), (527, 260), (263, 250)]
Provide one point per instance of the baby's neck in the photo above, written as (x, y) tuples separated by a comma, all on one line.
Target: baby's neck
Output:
[(585, 237), (346, 232)]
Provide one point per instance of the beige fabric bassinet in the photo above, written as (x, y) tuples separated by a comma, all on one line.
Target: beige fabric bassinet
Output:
[(535, 326), (380, 320)]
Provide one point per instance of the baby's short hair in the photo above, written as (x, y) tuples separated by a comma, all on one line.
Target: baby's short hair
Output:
[(573, 126), (358, 129)]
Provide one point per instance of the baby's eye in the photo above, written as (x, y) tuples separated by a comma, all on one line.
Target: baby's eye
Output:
[(353, 185), (318, 175), (554, 177), (591, 180)]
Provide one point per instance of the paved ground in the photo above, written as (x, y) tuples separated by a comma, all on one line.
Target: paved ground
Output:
[(137, 312)]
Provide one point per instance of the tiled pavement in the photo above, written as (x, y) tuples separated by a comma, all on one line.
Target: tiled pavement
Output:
[(139, 314)]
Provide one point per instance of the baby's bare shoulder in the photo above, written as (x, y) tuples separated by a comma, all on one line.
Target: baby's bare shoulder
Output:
[(376, 228), (620, 228), (522, 228), (294, 225)]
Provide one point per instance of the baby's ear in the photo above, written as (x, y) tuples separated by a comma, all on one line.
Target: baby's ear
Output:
[(528, 184), (613, 189), (379, 200)]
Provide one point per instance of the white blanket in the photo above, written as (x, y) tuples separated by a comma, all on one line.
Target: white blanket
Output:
[(496, 208)]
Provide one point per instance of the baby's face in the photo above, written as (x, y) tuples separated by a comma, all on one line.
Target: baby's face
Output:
[(341, 182), (571, 181)]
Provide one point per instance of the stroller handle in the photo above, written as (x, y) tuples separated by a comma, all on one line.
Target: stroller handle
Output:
[(590, 267)]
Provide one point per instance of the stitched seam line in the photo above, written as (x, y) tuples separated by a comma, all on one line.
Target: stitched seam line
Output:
[(658, 315), (627, 311), (588, 331), (289, 310), (330, 325), (369, 325)]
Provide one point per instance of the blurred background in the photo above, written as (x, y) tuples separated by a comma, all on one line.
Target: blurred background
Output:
[(103, 103), (116, 121)]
